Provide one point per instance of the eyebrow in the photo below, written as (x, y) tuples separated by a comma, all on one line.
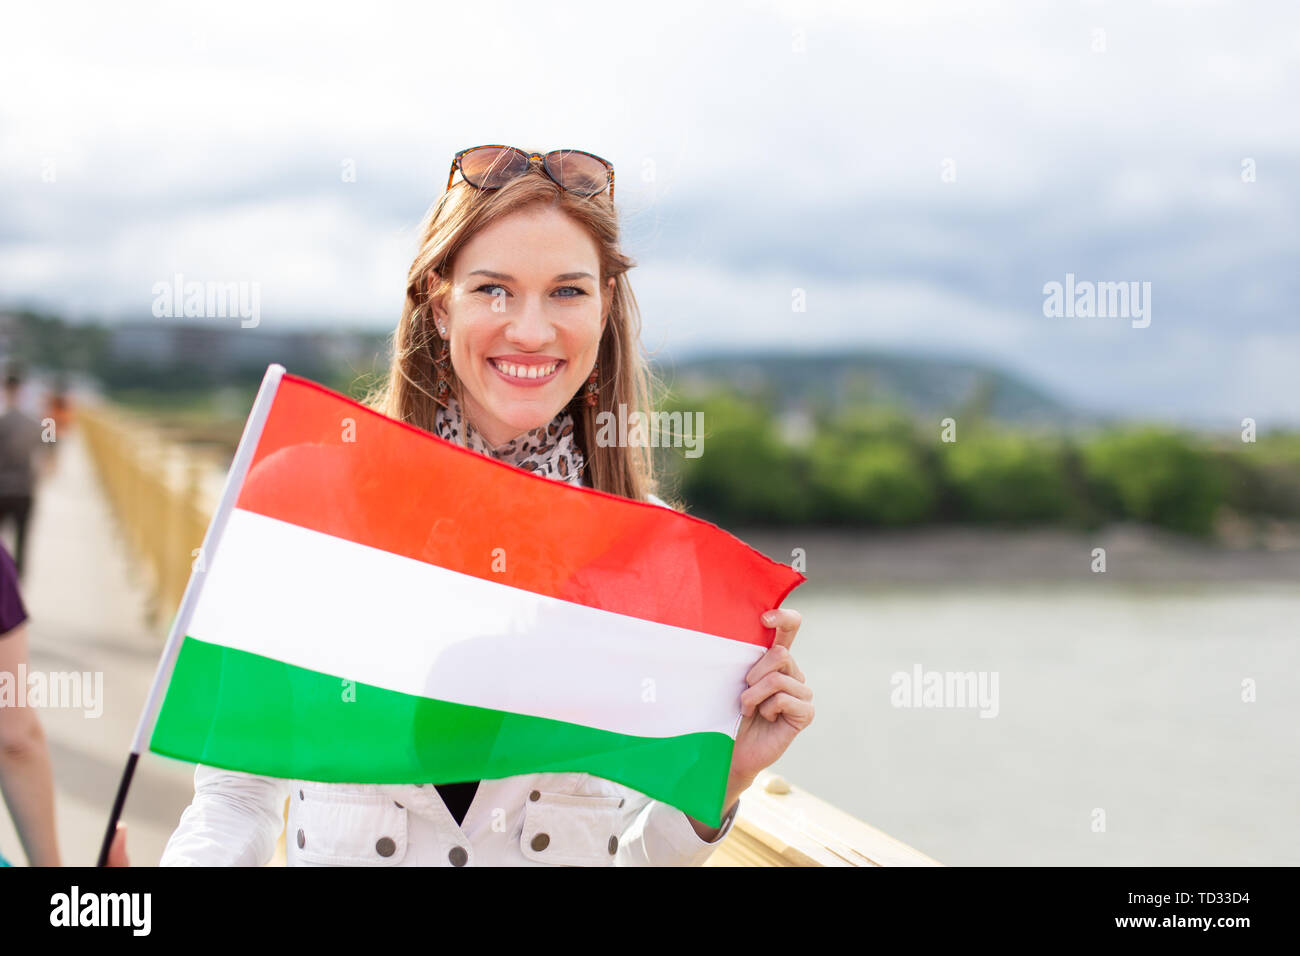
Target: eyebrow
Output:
[(563, 277)]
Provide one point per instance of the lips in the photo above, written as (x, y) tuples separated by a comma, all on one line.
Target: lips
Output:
[(526, 372)]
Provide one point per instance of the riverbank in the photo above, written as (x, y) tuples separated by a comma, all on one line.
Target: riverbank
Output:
[(1134, 555)]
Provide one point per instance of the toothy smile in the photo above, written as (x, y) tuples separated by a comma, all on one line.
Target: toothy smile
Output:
[(524, 371)]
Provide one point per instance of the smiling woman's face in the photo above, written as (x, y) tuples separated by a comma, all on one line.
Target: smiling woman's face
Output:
[(524, 317)]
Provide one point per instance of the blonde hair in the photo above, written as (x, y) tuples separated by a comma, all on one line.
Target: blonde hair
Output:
[(624, 376)]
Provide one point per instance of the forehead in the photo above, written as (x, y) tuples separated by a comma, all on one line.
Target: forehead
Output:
[(536, 242)]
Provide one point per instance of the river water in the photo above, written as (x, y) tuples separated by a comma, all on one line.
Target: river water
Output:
[(1121, 735)]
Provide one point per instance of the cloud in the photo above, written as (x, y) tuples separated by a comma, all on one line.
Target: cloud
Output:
[(759, 148)]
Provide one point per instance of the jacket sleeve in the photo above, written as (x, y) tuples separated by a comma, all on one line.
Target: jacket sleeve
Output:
[(234, 820), (662, 835)]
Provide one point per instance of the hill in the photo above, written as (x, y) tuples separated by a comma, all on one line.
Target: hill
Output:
[(921, 385)]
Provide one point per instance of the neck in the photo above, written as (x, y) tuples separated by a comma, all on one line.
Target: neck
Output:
[(498, 439)]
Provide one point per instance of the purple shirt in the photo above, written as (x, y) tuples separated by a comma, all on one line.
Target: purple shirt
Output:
[(12, 612)]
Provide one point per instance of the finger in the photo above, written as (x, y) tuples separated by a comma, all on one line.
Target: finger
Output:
[(797, 712), (786, 621), (752, 699), (776, 658), (770, 685)]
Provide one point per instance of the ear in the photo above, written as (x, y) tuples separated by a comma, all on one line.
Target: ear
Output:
[(431, 280), (438, 311)]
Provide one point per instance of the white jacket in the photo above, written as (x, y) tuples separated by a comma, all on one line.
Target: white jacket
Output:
[(542, 819)]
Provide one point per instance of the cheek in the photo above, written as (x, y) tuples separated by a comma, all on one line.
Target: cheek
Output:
[(470, 347), (580, 363), (584, 347)]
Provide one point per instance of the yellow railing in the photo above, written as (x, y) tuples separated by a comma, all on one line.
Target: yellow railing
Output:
[(780, 824), (157, 491)]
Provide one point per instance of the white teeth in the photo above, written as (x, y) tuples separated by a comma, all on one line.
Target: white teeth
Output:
[(526, 371)]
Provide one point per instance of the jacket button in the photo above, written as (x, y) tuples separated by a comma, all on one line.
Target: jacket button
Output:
[(399, 806), (458, 856), (302, 839), (535, 795), (613, 845), (385, 846), (300, 796), (540, 842), (622, 801)]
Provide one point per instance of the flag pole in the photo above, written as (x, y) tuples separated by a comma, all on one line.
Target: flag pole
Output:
[(181, 622)]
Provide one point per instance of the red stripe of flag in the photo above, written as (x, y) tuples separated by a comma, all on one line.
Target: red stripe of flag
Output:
[(330, 464)]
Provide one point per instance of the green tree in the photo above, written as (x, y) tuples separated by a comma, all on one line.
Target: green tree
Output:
[(744, 472), (1007, 477), (1157, 476), (872, 480)]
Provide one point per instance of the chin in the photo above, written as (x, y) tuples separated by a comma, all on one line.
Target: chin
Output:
[(522, 413), (525, 416)]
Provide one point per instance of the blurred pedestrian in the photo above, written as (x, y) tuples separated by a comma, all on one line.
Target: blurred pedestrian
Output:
[(58, 409), (21, 439), (26, 777)]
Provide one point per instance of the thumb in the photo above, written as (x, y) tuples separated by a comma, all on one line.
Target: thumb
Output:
[(117, 849)]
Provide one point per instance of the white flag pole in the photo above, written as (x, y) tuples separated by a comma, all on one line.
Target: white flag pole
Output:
[(181, 622)]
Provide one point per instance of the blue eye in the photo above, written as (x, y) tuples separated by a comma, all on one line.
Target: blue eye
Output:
[(570, 288)]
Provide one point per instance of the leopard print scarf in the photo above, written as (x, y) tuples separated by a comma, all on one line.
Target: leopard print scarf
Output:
[(548, 450)]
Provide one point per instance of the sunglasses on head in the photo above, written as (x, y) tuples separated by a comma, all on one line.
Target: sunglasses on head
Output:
[(491, 167)]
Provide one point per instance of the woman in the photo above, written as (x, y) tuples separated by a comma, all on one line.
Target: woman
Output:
[(25, 775), (519, 327)]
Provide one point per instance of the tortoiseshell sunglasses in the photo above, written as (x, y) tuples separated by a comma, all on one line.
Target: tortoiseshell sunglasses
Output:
[(491, 167)]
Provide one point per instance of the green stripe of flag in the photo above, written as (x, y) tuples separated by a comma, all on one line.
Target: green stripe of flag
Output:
[(233, 709)]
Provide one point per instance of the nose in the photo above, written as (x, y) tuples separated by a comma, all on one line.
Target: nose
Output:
[(529, 329)]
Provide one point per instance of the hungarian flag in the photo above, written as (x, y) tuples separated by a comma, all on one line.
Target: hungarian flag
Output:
[(374, 604)]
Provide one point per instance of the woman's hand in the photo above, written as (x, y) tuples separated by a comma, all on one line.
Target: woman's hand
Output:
[(777, 705), (117, 849)]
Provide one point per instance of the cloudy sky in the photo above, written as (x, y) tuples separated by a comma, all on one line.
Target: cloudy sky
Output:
[(920, 169)]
